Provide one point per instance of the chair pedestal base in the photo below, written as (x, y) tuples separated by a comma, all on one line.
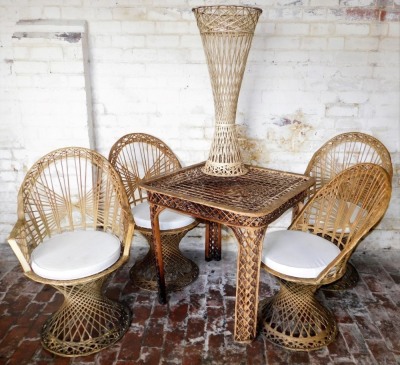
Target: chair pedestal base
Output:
[(294, 319), (348, 281), (86, 323), (179, 271)]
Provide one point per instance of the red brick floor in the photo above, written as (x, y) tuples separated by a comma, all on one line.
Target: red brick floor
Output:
[(196, 327)]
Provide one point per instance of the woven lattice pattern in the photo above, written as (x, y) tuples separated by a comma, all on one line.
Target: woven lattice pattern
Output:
[(249, 258), (343, 151), (88, 315), (75, 189), (179, 270), (223, 215), (257, 193), (294, 319), (226, 201), (136, 157), (213, 241), (227, 33), (139, 156), (348, 280), (329, 214)]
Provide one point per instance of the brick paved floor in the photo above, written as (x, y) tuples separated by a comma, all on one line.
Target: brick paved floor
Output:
[(196, 327)]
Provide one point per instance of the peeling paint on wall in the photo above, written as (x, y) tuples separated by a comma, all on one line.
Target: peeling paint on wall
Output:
[(10, 63), (252, 151), (292, 133), (71, 37)]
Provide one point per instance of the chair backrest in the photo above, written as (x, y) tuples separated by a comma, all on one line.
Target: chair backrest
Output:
[(69, 189), (346, 208), (139, 156), (343, 151)]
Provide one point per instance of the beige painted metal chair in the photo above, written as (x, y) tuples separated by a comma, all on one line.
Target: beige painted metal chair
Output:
[(138, 156), (306, 256), (336, 155), (74, 229)]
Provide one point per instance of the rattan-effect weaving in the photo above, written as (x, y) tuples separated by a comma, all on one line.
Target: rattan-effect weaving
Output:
[(139, 156), (245, 203), (339, 153), (179, 270), (343, 151), (227, 32), (75, 189), (293, 318)]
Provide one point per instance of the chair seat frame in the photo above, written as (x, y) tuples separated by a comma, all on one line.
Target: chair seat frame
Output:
[(293, 318), (336, 155), (87, 321), (138, 156)]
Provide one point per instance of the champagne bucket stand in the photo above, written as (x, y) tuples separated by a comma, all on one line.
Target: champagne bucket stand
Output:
[(226, 32)]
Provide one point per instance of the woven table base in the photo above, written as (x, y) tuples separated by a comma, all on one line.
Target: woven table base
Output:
[(295, 320), (348, 281), (86, 323), (179, 271)]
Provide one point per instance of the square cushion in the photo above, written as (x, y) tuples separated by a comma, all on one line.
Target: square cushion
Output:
[(76, 254), (296, 253), (168, 218)]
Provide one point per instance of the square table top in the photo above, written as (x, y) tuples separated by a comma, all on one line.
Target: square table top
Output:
[(257, 193)]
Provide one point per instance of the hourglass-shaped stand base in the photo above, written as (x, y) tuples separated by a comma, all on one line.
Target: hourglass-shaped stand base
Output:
[(224, 158), (224, 169), (179, 270), (86, 323), (295, 320)]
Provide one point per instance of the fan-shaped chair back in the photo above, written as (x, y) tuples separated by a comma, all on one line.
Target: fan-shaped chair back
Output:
[(314, 252), (345, 209), (343, 151), (74, 229), (139, 156), (70, 189)]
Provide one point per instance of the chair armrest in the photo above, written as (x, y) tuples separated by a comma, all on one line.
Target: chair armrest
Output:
[(128, 237), (17, 238)]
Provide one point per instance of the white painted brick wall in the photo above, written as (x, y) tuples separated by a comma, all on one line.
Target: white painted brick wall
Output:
[(326, 66)]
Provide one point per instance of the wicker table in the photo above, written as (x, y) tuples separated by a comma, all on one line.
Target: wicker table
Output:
[(246, 204)]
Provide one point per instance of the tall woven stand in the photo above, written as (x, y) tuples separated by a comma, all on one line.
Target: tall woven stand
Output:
[(226, 32)]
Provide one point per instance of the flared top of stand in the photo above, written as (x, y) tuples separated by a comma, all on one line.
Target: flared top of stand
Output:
[(227, 18)]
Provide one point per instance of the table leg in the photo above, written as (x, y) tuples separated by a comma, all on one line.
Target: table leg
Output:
[(247, 281), (155, 211), (213, 241)]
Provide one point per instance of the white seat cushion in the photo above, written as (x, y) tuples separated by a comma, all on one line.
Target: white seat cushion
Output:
[(76, 254), (296, 253), (168, 218)]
